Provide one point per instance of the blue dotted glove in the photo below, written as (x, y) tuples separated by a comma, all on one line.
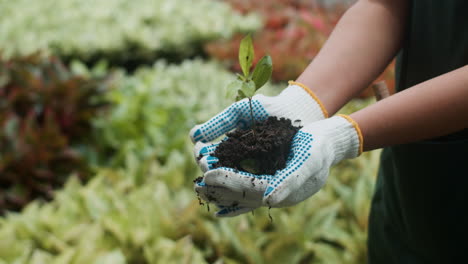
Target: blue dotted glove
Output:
[(225, 199), (296, 102), (315, 148), (230, 201)]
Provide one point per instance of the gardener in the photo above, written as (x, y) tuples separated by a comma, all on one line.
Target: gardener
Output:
[(418, 212)]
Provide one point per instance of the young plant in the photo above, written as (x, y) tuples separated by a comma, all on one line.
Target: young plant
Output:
[(247, 84)]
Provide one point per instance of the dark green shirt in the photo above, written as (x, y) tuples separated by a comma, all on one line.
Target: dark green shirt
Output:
[(419, 210), (436, 41)]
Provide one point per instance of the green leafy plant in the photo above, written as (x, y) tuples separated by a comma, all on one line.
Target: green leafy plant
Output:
[(248, 84), (119, 31), (114, 218), (45, 113), (96, 221)]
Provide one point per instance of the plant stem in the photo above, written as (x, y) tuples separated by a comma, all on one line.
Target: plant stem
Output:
[(251, 114)]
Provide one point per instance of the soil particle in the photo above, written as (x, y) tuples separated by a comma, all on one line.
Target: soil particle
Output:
[(198, 179), (268, 146), (269, 215), (199, 199)]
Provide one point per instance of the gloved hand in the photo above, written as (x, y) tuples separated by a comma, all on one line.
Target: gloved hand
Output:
[(230, 201), (296, 102), (315, 148)]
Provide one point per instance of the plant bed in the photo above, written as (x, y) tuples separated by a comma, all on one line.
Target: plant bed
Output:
[(261, 150)]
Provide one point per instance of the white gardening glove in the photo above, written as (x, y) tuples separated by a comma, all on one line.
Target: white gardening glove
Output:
[(296, 102), (231, 202), (315, 148), (227, 200)]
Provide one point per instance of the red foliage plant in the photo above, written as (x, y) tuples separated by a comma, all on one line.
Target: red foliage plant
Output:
[(45, 111)]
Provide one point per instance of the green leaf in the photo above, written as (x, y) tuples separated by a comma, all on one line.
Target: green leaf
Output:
[(101, 68), (249, 165), (248, 88), (240, 95), (233, 87), (246, 54), (114, 257), (262, 71), (4, 78), (241, 77), (79, 68)]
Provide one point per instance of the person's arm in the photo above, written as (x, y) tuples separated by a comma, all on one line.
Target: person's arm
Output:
[(430, 109), (365, 40)]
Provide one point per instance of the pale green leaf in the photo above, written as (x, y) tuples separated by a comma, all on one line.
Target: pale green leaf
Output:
[(114, 257), (262, 72), (240, 95), (4, 79), (79, 68), (40, 257), (232, 88), (65, 257), (246, 54), (249, 165), (101, 68), (248, 88)]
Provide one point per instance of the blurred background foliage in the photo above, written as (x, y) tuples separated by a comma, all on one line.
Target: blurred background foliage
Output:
[(44, 111), (96, 101), (124, 32)]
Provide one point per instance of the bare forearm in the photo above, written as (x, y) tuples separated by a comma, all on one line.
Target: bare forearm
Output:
[(362, 44), (433, 108)]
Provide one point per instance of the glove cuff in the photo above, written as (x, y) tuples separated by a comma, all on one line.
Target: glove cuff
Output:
[(358, 131), (344, 137), (295, 103), (312, 94)]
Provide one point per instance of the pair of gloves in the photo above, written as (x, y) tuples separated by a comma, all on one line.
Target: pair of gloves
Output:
[(319, 144)]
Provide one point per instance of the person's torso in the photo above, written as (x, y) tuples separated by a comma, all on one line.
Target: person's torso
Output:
[(425, 184), (436, 43)]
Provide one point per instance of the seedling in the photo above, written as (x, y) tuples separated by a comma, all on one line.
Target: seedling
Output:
[(248, 83)]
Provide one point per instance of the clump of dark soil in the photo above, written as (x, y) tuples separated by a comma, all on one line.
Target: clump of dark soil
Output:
[(262, 150), (198, 179)]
